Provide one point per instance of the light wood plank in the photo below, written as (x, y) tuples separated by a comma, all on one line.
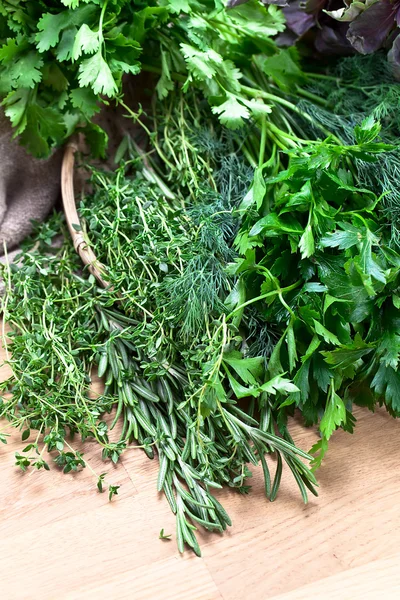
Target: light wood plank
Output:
[(77, 555), (171, 579), (51, 496), (378, 580), (285, 545)]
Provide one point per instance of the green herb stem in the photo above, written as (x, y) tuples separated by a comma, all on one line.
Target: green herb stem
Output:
[(277, 292)]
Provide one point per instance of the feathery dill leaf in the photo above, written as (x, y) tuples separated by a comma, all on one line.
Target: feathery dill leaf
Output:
[(365, 86), (193, 297)]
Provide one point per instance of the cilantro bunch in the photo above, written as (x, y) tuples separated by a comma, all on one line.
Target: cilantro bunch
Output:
[(57, 58), (60, 60)]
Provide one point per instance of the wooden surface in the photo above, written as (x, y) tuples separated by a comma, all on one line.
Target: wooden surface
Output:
[(60, 539)]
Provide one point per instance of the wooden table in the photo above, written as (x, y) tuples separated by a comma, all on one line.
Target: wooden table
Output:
[(60, 539)]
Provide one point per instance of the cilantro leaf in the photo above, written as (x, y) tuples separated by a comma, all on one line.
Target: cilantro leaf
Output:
[(96, 73), (118, 67), (44, 126), (16, 104), (165, 83), (231, 112), (178, 6), (65, 48), (202, 64), (86, 41), (283, 67), (257, 20), (85, 100), (258, 108), (54, 78), (26, 71), (22, 68), (96, 138), (50, 27)]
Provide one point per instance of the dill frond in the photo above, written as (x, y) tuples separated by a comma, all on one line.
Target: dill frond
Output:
[(196, 296)]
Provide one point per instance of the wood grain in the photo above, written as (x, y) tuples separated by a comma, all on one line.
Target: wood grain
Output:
[(61, 540), (373, 581)]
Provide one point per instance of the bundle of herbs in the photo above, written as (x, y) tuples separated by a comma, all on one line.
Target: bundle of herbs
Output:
[(216, 293), (250, 251), (172, 359), (322, 268)]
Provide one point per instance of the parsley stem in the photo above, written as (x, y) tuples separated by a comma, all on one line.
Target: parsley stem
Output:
[(278, 100), (276, 292), (263, 141), (311, 96)]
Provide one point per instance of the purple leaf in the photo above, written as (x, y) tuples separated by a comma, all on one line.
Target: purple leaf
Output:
[(370, 29), (333, 41), (394, 57), (286, 39), (314, 6), (296, 19)]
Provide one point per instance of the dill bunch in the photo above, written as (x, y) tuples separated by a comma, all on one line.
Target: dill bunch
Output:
[(363, 70), (355, 88), (195, 295)]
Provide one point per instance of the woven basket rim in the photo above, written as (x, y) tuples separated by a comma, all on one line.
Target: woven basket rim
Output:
[(78, 236)]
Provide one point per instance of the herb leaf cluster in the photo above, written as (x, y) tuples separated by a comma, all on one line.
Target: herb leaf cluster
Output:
[(172, 380), (320, 266)]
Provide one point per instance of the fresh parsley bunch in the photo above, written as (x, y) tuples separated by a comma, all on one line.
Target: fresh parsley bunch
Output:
[(323, 271)]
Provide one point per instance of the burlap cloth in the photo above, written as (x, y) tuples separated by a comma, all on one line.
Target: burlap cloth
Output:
[(30, 188)]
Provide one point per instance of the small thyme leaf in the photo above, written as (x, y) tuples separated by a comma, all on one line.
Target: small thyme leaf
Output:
[(113, 491), (164, 536)]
